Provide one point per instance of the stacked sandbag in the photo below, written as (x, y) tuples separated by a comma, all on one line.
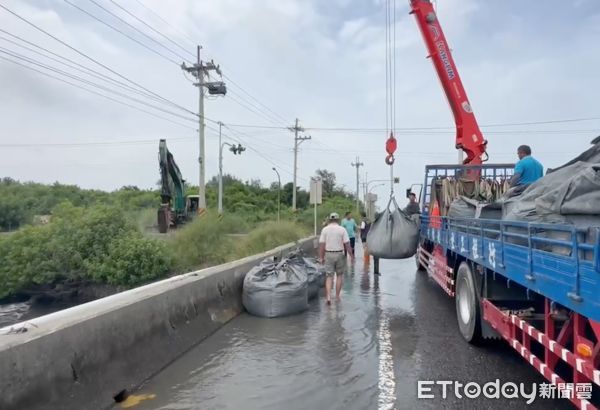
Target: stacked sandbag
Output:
[(274, 289), (463, 207), (393, 234), (283, 288)]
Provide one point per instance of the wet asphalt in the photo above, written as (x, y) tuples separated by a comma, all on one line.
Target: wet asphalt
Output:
[(366, 352)]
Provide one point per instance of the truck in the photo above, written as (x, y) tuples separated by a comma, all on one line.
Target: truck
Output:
[(175, 208), (535, 285)]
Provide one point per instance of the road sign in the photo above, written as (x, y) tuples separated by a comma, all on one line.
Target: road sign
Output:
[(316, 191)]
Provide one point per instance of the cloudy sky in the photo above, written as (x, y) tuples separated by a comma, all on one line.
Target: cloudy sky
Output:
[(320, 61)]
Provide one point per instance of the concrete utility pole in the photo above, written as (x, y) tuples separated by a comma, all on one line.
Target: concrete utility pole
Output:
[(199, 70), (357, 164), (297, 141), (278, 195)]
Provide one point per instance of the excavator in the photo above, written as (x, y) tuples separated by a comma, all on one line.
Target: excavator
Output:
[(175, 208)]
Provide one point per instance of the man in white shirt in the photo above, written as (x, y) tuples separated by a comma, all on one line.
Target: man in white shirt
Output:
[(334, 239)]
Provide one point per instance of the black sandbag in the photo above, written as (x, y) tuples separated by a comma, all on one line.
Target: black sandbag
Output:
[(464, 207), (274, 289), (393, 235)]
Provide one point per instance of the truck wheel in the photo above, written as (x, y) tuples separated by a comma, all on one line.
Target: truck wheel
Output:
[(468, 311)]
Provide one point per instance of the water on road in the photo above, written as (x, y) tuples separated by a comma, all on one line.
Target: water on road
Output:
[(366, 352)]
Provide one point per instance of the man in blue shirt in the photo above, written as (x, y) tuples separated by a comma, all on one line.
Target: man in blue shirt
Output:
[(528, 169), (350, 224)]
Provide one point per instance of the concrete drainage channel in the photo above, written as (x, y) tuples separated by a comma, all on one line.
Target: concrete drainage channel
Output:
[(89, 356)]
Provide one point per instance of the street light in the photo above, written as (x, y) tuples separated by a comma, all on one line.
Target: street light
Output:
[(278, 195), (236, 149)]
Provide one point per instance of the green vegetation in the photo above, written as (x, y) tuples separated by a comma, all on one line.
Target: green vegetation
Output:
[(96, 237), (205, 241), (97, 244), (268, 236)]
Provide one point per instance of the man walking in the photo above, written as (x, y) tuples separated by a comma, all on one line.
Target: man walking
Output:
[(350, 224), (334, 240)]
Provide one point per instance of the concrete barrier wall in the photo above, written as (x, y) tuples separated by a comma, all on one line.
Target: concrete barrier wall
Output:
[(81, 357)]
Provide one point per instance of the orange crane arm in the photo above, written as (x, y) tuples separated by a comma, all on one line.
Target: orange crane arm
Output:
[(468, 135)]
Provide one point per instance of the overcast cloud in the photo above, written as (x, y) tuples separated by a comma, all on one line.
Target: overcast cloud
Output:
[(321, 61)]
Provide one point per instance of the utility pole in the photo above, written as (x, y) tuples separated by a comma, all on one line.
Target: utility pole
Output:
[(278, 195), (199, 70), (357, 164), (297, 141)]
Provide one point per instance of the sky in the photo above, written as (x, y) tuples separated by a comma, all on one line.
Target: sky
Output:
[(320, 61)]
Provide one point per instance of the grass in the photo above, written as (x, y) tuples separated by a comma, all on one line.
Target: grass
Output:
[(205, 241), (269, 235), (208, 241)]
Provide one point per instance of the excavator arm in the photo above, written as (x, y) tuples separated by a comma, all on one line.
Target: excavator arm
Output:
[(468, 135), (172, 188)]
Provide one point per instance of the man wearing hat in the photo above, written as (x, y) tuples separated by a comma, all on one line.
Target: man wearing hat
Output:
[(334, 239)]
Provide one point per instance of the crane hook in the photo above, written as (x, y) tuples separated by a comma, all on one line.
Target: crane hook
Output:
[(390, 146)]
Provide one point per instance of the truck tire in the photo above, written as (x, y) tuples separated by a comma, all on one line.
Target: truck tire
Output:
[(468, 306)]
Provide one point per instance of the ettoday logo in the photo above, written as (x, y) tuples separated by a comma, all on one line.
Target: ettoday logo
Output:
[(509, 390), (473, 390)]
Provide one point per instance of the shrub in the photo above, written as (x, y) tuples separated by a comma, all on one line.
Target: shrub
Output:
[(131, 260), (98, 244)]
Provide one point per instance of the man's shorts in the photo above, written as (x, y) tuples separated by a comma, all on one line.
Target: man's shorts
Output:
[(335, 262)]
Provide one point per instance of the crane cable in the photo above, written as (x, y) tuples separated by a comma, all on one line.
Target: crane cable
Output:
[(390, 77)]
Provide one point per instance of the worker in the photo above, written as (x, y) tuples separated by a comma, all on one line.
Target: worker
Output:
[(413, 206), (333, 242), (350, 224), (365, 226), (527, 170)]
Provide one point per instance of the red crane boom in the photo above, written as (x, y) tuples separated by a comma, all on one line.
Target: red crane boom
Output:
[(468, 135)]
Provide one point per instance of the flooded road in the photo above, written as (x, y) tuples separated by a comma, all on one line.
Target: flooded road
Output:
[(366, 352)]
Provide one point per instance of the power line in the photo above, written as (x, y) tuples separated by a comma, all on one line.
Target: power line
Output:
[(91, 83), (279, 117), (136, 29), (152, 28), (181, 33), (251, 108), (86, 144), (248, 144), (93, 59), (260, 109), (135, 40), (93, 92), (75, 65)]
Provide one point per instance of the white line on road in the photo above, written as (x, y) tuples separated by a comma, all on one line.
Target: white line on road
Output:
[(387, 384)]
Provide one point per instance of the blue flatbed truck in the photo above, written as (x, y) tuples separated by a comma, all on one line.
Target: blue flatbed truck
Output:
[(537, 286), (515, 280)]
